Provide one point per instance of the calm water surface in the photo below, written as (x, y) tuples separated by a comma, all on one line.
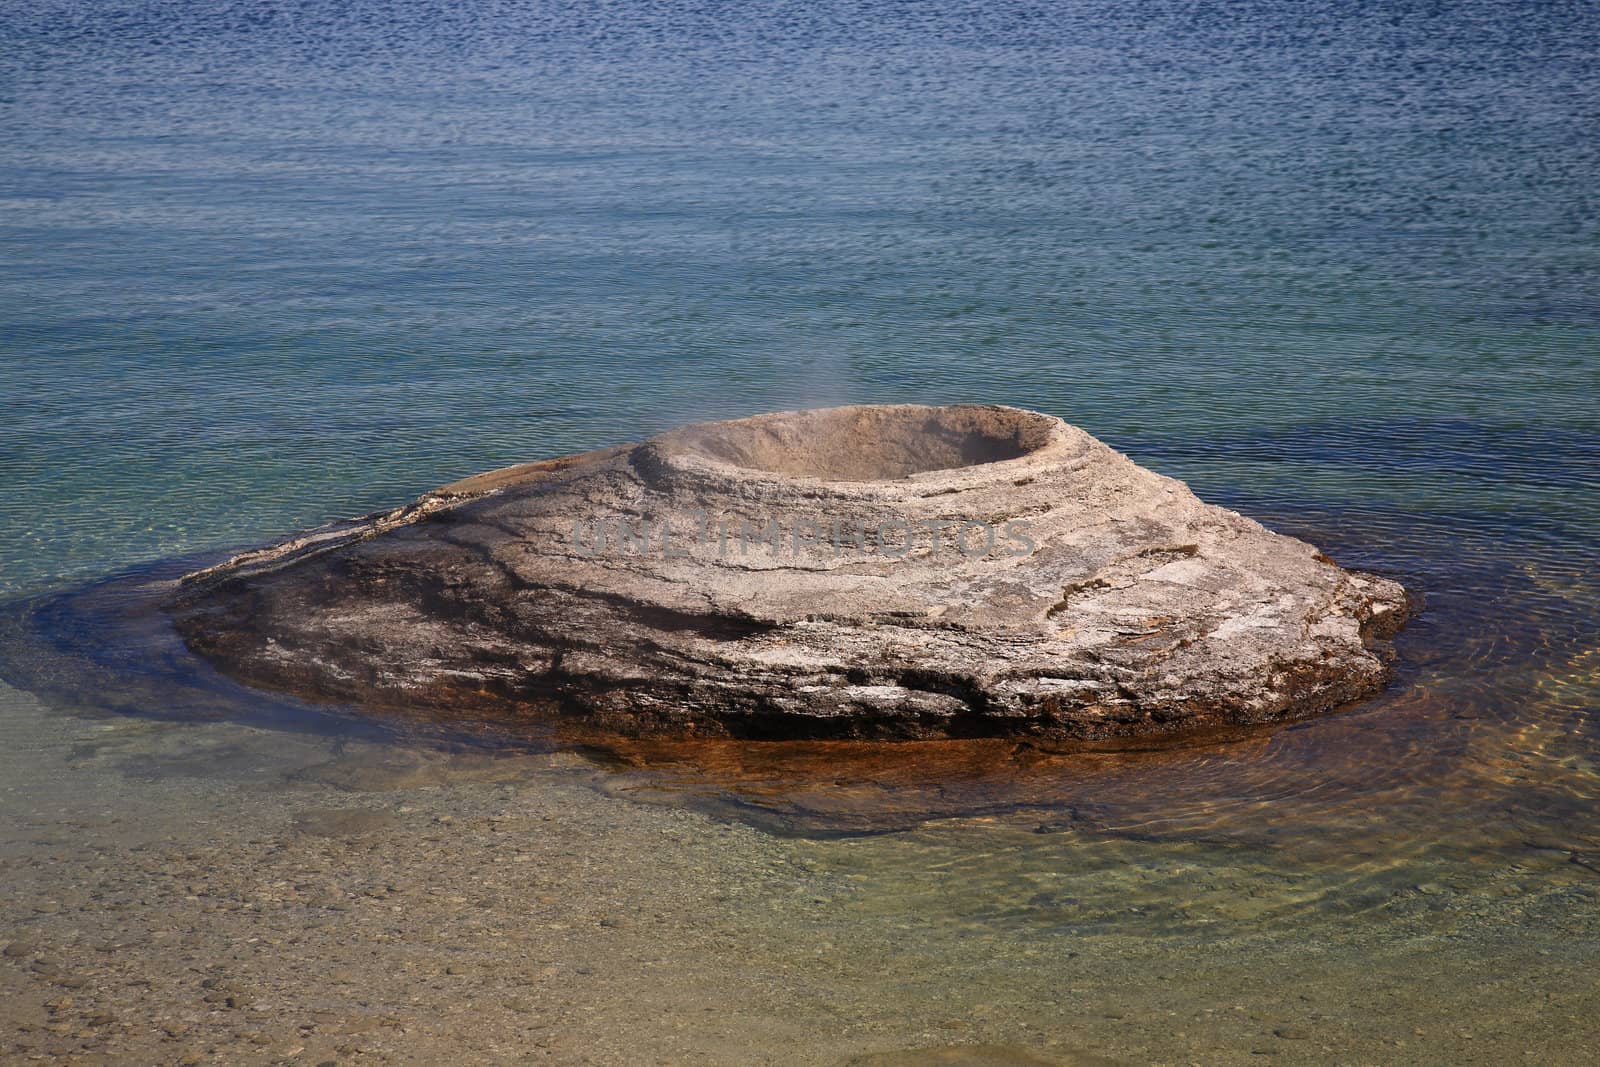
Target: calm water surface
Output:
[(268, 265)]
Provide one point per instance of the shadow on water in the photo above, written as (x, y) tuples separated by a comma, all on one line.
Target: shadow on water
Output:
[(106, 647), (1490, 724)]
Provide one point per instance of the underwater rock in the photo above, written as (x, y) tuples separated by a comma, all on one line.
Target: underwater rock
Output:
[(859, 572)]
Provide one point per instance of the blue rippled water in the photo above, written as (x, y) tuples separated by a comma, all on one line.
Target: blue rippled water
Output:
[(269, 264)]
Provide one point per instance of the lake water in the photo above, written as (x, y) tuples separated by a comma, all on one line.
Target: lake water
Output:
[(266, 265)]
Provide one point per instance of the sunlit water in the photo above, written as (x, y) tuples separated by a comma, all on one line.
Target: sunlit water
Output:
[(267, 266)]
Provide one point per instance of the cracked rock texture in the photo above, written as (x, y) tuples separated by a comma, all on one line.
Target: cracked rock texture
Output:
[(858, 572)]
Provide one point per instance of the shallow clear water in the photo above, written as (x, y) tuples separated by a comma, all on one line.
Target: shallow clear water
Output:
[(266, 266)]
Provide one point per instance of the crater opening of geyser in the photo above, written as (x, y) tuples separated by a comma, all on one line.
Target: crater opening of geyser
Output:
[(870, 444)]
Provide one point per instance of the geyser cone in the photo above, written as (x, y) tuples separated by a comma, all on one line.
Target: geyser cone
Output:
[(858, 572)]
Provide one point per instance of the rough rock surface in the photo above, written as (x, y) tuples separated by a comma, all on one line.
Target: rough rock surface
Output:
[(893, 572)]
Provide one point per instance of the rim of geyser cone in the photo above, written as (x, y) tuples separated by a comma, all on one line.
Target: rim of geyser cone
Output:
[(989, 443)]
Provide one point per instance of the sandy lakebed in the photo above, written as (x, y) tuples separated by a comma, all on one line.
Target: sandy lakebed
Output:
[(181, 893)]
